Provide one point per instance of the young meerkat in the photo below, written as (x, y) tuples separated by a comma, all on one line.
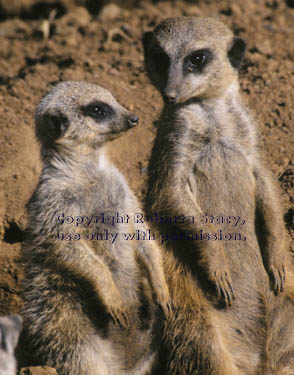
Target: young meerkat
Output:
[(205, 164), (90, 306), (10, 327)]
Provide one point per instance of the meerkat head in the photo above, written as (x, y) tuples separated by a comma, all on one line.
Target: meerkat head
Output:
[(190, 57), (77, 115)]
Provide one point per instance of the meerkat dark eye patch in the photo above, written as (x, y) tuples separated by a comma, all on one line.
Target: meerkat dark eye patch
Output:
[(146, 40), (236, 52), (53, 127), (197, 60), (160, 60), (155, 56), (99, 111)]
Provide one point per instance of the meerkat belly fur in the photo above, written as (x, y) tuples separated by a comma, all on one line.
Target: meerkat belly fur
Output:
[(205, 161), (90, 307)]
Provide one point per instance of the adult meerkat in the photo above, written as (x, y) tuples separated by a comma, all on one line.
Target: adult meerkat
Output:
[(88, 308), (10, 327), (205, 164)]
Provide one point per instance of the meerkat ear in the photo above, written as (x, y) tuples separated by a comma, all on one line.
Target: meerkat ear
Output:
[(51, 127), (236, 52)]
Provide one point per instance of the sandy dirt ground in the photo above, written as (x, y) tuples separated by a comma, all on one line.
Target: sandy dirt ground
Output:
[(42, 43)]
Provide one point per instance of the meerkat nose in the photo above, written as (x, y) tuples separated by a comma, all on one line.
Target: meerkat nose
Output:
[(171, 96), (133, 120)]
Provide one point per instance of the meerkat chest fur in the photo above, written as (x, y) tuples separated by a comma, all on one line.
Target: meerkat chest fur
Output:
[(112, 217), (217, 143), (91, 205), (106, 206)]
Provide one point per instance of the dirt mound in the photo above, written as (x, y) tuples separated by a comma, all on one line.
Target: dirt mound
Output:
[(43, 42)]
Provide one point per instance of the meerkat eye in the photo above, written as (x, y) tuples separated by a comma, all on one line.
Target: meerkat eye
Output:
[(197, 60), (98, 111)]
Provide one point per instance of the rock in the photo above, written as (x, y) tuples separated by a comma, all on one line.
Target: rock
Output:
[(111, 12), (38, 370), (81, 16), (266, 48)]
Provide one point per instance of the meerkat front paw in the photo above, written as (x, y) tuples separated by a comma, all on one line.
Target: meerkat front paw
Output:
[(117, 308), (214, 261), (162, 298), (119, 314), (277, 274), (222, 281)]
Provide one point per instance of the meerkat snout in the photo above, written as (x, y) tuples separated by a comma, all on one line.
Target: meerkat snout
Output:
[(171, 95), (133, 120), (79, 114), (189, 58)]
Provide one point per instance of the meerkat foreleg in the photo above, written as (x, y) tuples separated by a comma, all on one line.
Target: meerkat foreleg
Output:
[(148, 255), (212, 253), (268, 206), (84, 265)]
